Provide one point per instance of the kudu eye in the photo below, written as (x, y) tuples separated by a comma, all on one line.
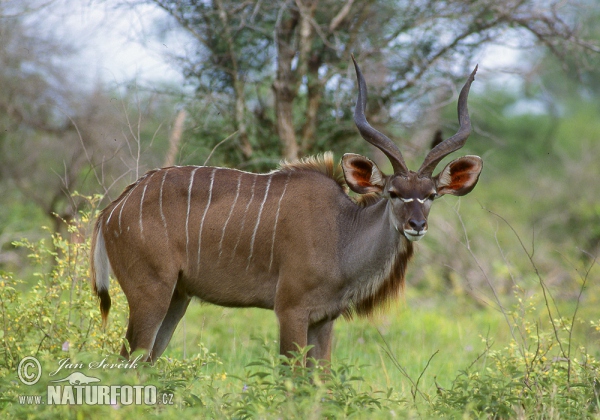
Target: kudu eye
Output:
[(393, 194)]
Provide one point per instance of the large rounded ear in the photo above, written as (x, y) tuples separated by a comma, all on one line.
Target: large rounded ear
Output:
[(362, 175), (459, 177)]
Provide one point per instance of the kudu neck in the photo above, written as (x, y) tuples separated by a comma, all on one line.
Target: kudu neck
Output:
[(370, 239)]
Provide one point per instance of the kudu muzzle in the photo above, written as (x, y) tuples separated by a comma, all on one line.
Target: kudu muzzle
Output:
[(416, 226)]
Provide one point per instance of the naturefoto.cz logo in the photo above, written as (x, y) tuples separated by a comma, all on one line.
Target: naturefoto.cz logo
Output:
[(77, 388)]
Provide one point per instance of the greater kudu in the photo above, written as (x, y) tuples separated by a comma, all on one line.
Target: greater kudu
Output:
[(291, 240)]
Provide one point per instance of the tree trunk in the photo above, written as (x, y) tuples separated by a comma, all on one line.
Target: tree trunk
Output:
[(238, 87), (314, 95), (175, 138), (240, 119), (284, 86), (285, 125)]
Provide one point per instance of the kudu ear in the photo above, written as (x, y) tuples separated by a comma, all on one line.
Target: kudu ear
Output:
[(362, 174), (459, 177)]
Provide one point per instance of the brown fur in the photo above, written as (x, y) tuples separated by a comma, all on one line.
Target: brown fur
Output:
[(393, 285), (106, 210), (103, 295), (290, 241), (324, 164)]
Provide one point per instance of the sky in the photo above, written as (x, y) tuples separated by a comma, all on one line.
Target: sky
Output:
[(114, 44)]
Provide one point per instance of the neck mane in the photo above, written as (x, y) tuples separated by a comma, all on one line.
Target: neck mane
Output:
[(386, 252)]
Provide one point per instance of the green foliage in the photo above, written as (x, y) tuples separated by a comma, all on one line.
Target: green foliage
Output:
[(272, 385), (59, 310), (533, 382)]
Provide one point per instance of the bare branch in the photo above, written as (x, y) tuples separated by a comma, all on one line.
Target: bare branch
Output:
[(175, 138), (337, 19)]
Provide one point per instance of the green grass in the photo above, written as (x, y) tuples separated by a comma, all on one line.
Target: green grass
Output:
[(239, 336)]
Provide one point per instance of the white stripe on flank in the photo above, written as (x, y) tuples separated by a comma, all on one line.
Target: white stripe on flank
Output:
[(111, 213), (237, 194), (244, 218), (123, 206), (122, 203), (187, 217), (212, 181), (262, 205), (138, 182), (141, 205), (160, 204), (277, 218)]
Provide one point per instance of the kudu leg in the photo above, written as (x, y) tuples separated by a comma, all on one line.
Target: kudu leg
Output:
[(147, 310), (319, 336), (293, 328), (177, 308)]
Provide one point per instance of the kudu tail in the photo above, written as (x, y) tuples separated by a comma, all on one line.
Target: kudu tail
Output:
[(100, 269)]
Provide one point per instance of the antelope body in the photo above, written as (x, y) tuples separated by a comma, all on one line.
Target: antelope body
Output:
[(291, 240)]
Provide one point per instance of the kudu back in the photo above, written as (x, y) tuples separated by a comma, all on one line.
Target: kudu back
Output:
[(291, 240)]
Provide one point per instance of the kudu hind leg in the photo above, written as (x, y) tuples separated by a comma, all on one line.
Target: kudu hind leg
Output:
[(147, 310), (177, 308)]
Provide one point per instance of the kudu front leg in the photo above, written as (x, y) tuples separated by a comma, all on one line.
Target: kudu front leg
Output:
[(293, 329), (319, 336)]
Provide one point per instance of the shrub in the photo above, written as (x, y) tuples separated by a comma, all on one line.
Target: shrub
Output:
[(59, 312)]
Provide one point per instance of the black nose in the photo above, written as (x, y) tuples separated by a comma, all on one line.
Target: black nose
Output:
[(417, 225)]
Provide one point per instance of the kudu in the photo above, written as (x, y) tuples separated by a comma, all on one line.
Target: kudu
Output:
[(291, 240)]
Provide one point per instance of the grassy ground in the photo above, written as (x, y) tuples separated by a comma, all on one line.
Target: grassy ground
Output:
[(406, 362), (412, 335)]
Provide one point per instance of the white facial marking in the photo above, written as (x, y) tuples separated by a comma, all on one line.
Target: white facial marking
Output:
[(210, 188), (276, 219), (413, 235), (237, 194), (262, 205), (410, 200)]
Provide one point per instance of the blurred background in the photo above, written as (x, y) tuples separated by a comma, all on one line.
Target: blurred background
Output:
[(95, 93)]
